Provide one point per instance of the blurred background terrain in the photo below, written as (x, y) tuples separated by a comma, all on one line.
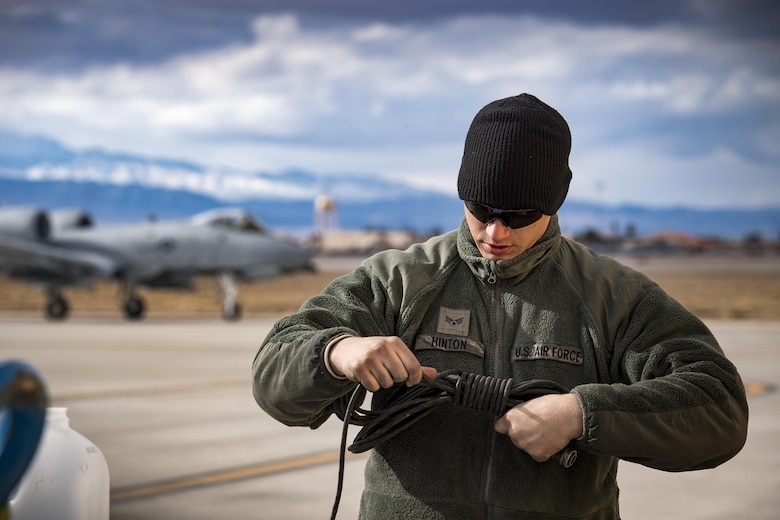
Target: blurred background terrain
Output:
[(712, 288)]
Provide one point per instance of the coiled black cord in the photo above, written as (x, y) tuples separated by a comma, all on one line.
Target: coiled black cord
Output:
[(407, 405)]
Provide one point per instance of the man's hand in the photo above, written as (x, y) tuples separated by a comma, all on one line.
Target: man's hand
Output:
[(543, 426), (377, 362)]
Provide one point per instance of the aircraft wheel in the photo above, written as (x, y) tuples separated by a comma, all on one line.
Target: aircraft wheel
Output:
[(57, 308), (233, 314), (134, 308)]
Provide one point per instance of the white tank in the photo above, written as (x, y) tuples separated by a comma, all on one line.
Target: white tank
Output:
[(67, 479)]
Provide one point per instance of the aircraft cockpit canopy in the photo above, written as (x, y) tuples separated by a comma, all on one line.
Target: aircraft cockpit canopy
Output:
[(235, 220)]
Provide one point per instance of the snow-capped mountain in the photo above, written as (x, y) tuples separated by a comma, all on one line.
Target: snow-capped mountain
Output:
[(116, 187)]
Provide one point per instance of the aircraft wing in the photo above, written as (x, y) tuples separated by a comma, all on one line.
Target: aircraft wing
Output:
[(45, 261)]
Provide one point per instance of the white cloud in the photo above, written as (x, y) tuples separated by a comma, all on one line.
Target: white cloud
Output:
[(627, 173), (396, 100), (698, 92)]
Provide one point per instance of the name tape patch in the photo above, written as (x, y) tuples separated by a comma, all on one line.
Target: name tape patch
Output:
[(449, 344), (549, 351)]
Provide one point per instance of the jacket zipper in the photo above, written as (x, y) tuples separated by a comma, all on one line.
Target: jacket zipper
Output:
[(492, 279)]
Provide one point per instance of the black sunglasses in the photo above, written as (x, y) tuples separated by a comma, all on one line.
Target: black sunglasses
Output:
[(512, 218)]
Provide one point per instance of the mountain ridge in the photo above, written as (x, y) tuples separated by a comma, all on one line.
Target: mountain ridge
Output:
[(116, 187)]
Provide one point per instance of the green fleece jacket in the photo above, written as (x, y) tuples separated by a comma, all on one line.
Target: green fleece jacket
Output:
[(654, 385)]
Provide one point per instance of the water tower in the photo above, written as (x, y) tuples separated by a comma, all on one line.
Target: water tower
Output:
[(324, 214)]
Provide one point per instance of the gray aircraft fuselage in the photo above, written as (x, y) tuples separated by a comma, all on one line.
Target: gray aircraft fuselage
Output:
[(225, 243)]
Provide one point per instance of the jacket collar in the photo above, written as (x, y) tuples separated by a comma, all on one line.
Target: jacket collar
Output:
[(514, 270)]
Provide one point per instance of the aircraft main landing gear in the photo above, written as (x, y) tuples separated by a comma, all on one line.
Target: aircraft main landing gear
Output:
[(57, 307), (226, 286), (133, 306), (233, 314)]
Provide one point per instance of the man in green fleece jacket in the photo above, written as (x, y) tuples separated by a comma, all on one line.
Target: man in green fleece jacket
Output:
[(507, 296)]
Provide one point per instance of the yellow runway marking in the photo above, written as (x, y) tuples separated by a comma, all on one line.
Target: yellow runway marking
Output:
[(204, 386), (756, 388), (221, 477)]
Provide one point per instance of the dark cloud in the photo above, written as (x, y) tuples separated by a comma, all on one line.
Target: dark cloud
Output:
[(746, 18), (415, 10), (75, 35), (740, 15), (70, 34)]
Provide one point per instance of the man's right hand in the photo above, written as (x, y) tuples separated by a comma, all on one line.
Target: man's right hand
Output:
[(377, 362)]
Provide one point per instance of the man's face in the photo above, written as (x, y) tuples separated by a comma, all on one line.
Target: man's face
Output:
[(496, 241)]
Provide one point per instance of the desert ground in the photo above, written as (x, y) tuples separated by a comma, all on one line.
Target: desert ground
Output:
[(732, 287)]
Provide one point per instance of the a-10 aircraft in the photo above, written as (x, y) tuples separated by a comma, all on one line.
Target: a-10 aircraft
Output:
[(58, 249)]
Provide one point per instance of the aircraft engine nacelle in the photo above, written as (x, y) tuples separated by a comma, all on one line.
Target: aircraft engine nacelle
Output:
[(26, 222), (70, 219)]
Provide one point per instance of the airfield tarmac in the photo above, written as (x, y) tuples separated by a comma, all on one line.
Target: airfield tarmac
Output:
[(168, 401)]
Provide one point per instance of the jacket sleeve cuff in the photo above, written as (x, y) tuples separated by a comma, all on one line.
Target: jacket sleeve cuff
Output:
[(584, 419), (326, 355)]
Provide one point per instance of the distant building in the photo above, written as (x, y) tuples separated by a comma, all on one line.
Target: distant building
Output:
[(362, 242)]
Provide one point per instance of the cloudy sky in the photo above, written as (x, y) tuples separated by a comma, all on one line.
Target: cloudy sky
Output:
[(669, 102)]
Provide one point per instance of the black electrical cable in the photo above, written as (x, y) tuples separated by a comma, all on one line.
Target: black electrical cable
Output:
[(407, 405)]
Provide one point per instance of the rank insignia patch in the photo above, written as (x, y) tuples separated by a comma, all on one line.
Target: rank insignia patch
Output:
[(453, 321)]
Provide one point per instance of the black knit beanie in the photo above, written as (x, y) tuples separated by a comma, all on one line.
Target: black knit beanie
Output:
[(516, 156)]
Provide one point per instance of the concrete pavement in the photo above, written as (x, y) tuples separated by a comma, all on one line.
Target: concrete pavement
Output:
[(168, 402)]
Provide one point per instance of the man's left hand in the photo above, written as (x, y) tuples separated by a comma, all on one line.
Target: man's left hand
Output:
[(543, 426)]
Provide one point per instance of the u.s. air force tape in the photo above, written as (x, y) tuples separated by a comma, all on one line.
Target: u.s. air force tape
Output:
[(549, 351)]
